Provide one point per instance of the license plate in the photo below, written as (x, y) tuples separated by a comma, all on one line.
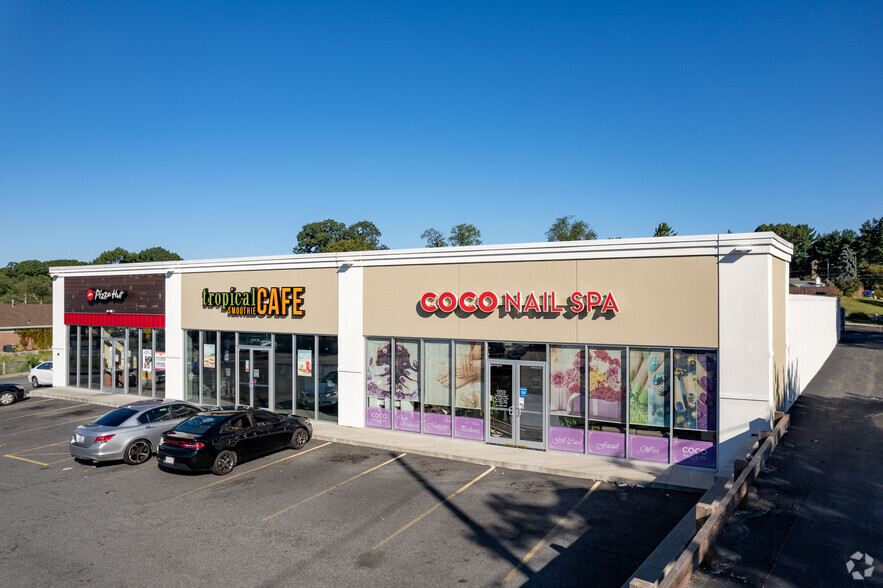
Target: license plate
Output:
[(79, 438), (168, 459)]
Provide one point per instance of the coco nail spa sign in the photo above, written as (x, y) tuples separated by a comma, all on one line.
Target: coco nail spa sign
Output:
[(519, 302)]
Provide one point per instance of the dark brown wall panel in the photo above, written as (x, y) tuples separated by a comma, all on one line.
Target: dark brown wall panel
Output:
[(145, 294)]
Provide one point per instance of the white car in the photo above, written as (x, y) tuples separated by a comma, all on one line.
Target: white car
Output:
[(41, 375)]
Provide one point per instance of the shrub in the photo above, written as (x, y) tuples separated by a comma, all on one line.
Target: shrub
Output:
[(849, 286)]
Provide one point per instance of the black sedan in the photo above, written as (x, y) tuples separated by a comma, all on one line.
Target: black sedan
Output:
[(9, 393), (217, 440)]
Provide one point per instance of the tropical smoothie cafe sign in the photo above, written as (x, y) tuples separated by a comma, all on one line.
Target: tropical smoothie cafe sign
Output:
[(519, 302), (281, 301)]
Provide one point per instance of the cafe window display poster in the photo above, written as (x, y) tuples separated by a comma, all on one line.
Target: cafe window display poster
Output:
[(649, 387)]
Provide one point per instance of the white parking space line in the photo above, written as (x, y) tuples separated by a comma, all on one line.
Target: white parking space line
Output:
[(88, 418), (428, 512), (24, 416), (228, 478), (543, 541), (326, 491)]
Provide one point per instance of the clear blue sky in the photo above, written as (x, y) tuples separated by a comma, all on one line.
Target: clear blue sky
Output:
[(218, 129)]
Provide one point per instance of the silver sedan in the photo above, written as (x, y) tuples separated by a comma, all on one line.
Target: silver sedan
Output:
[(131, 432)]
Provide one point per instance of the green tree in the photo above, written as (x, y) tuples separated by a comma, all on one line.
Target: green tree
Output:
[(825, 249), (333, 236), (156, 254), (433, 238), (118, 255), (846, 263), (801, 237), (873, 277), (464, 234), (663, 230), (869, 243), (566, 229)]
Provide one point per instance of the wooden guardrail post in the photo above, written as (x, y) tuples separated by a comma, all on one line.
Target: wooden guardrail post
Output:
[(739, 466)]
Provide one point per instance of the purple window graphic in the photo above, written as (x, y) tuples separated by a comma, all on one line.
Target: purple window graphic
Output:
[(565, 439), (700, 454), (437, 424), (407, 420), (648, 448), (377, 417), (607, 443), (469, 428)]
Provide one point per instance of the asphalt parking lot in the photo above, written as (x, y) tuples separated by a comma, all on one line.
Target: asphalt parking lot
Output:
[(327, 515)]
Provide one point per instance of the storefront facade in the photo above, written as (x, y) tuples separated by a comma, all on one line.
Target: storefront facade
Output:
[(664, 350)]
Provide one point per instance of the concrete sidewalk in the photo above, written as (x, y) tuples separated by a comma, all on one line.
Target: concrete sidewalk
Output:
[(548, 462)]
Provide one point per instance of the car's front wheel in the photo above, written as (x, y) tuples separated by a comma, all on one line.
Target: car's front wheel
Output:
[(35, 383), (224, 463), (298, 439), (137, 452), (7, 398)]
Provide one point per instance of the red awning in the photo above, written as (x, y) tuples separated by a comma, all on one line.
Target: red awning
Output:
[(154, 321)]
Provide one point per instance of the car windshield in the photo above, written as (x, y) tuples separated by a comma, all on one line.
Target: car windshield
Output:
[(199, 424), (116, 417)]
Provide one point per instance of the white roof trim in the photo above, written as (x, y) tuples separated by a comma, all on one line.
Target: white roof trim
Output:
[(718, 245)]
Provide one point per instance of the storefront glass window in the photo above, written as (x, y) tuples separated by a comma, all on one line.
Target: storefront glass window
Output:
[(516, 351), (305, 383), (255, 339), (227, 375), (567, 399), (132, 363), (95, 358), (649, 404), (83, 357), (327, 377), (284, 375), (437, 388), (469, 391), (378, 412), (406, 359), (159, 362), (146, 362), (191, 366), (695, 408), (72, 356), (209, 367), (607, 402)]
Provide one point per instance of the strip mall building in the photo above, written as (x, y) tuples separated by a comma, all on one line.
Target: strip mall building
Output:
[(668, 350)]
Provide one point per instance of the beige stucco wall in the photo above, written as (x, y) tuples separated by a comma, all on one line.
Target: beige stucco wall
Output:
[(319, 306), (779, 292), (663, 301)]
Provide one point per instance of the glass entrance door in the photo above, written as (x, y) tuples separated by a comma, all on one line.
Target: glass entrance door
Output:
[(254, 377), (113, 365), (516, 404)]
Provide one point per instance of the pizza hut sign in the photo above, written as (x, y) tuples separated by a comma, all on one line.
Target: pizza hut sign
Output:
[(99, 295)]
